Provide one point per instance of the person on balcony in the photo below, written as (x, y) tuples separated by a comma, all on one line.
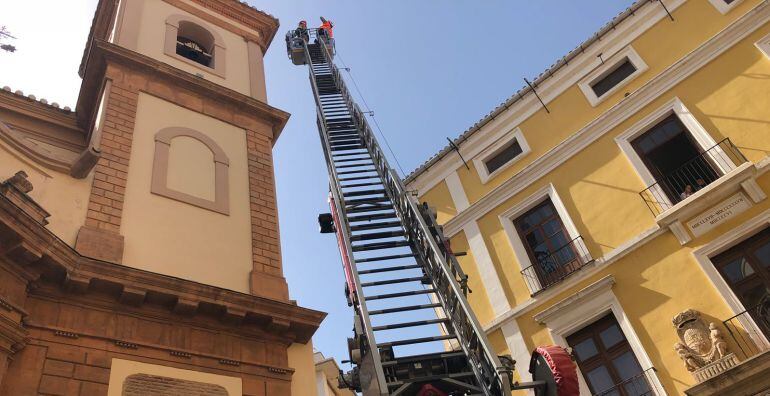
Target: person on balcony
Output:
[(699, 184), (688, 190)]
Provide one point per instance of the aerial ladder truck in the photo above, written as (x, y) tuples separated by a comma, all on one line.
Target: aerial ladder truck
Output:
[(394, 252)]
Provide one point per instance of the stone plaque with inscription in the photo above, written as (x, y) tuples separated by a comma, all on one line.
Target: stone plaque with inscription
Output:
[(718, 214)]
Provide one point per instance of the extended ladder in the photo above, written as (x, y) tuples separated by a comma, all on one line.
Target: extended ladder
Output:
[(394, 253)]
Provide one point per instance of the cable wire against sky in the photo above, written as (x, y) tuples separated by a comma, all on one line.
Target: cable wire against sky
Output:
[(371, 113)]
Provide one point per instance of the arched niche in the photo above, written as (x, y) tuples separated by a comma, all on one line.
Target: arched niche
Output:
[(160, 170), (184, 30)]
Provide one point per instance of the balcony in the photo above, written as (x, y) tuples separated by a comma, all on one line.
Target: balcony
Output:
[(641, 384), (722, 184), (748, 332), (749, 329), (552, 268), (692, 177)]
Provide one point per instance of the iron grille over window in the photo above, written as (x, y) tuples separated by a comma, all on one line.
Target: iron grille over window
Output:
[(193, 51)]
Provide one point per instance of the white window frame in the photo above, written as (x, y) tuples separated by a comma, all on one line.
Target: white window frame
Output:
[(519, 250), (606, 68), (589, 304), (696, 130), (764, 45), (500, 142), (723, 7), (721, 244)]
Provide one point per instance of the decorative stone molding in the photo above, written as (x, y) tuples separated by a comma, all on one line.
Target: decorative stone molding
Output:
[(100, 244), (16, 188), (159, 186), (88, 277), (702, 348), (713, 369)]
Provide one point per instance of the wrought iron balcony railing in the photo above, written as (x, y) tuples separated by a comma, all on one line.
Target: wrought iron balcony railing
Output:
[(641, 384), (553, 267), (749, 329), (695, 174)]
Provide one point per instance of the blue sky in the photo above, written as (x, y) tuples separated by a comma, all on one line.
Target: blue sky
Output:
[(429, 69)]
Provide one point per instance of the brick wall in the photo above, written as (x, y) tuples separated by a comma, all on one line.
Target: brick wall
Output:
[(154, 385), (105, 207)]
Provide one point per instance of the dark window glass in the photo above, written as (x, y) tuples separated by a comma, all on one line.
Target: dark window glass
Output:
[(509, 152), (674, 159), (547, 243), (585, 349), (729, 1), (613, 78), (745, 268), (611, 368)]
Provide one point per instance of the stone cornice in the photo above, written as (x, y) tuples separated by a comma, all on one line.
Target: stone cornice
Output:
[(266, 25), (35, 109), (13, 336), (38, 249), (104, 53), (570, 302)]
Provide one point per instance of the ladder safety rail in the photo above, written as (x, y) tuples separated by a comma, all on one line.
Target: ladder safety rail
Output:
[(387, 217)]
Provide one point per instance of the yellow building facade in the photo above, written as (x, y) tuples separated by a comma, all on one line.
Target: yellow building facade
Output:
[(627, 186)]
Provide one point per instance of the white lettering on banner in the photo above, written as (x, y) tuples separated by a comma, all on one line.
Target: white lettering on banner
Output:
[(718, 214)]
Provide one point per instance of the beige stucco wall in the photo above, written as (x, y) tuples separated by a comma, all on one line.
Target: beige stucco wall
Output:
[(120, 369), (65, 198), (175, 238), (143, 29), (301, 360), (191, 168)]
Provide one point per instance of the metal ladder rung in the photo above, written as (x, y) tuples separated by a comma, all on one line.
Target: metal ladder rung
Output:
[(400, 294), (416, 341), (417, 358), (403, 309), (410, 324), (430, 378), (353, 159), (357, 171), (347, 142), (370, 217), (349, 154), (376, 235), (343, 135), (379, 246), (359, 178), (369, 208), (379, 183), (375, 226), (347, 148), (389, 269), (393, 281), (353, 172), (353, 165), (383, 258), (365, 192), (351, 202)]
